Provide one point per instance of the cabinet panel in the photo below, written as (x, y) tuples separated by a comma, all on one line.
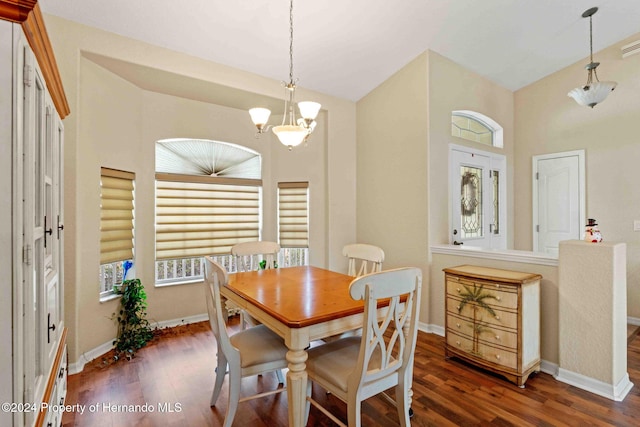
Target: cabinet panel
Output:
[(505, 319), (493, 336)]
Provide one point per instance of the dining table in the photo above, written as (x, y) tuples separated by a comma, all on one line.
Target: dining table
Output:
[(300, 304)]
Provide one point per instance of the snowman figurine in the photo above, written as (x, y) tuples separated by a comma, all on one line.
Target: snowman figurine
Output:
[(592, 232)]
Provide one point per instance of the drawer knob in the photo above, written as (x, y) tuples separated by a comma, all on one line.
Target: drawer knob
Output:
[(458, 307), (458, 324), (498, 298), (498, 356), (458, 290), (458, 343), (497, 317), (497, 337)]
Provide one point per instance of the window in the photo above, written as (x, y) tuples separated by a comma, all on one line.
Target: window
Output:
[(208, 198), (293, 222), (116, 226), (476, 127)]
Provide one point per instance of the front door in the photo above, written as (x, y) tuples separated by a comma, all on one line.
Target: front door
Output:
[(478, 209)]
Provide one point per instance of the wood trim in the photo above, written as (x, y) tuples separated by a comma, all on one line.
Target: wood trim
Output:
[(36, 33), (53, 376), (16, 10), (177, 177)]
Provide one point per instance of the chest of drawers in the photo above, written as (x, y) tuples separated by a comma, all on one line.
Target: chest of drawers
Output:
[(493, 319)]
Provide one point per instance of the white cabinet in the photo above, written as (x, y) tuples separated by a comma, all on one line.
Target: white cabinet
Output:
[(31, 170), (493, 319)]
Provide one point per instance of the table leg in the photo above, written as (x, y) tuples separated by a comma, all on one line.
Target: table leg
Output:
[(297, 386)]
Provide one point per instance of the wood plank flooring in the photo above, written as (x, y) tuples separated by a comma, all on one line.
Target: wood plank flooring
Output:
[(172, 378)]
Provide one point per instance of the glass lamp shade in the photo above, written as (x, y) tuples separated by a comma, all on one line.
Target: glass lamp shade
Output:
[(592, 94), (309, 109), (259, 116), (290, 135)]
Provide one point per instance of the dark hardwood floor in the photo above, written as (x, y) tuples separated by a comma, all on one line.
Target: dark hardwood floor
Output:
[(172, 378)]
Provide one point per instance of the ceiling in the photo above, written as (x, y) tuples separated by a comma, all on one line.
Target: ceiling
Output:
[(346, 48)]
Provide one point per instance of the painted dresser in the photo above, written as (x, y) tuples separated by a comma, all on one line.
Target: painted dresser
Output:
[(493, 319)]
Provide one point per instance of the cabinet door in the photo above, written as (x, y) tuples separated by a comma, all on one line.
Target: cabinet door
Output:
[(39, 184)]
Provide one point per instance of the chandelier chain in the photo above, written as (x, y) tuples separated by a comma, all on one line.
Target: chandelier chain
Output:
[(291, 43)]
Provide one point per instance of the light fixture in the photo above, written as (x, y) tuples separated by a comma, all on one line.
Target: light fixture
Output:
[(593, 92), (291, 132)]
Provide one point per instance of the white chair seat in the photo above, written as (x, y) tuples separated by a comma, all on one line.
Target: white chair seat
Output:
[(258, 345), (337, 360)]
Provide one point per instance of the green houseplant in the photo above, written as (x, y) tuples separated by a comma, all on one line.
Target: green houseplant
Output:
[(134, 331)]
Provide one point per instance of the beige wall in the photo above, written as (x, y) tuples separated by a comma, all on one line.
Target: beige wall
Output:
[(548, 121), (115, 123), (392, 165), (404, 132), (452, 87)]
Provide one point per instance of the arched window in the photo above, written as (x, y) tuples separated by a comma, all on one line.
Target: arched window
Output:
[(208, 198), (476, 127)]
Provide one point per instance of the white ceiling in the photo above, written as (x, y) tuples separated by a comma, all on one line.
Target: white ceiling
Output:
[(345, 48)]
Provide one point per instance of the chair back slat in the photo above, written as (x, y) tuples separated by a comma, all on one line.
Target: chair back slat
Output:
[(216, 276), (388, 344), (363, 258), (249, 254)]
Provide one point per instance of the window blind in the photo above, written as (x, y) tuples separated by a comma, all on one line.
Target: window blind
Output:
[(201, 215), (293, 214), (116, 215)]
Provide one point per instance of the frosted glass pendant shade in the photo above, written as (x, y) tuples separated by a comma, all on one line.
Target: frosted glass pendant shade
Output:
[(592, 94), (309, 109), (259, 116), (290, 135)]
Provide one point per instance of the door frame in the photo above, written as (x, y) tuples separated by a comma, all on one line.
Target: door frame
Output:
[(581, 188)]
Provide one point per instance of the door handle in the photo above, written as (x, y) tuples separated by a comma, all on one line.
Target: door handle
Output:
[(50, 327)]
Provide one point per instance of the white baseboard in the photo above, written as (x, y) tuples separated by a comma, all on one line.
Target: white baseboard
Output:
[(88, 356), (633, 321), (431, 329), (615, 392)]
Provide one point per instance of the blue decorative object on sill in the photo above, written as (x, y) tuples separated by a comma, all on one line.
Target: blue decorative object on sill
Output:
[(126, 266)]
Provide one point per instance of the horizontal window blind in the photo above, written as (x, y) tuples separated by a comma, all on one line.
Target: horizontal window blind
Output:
[(200, 215), (293, 214), (116, 215)]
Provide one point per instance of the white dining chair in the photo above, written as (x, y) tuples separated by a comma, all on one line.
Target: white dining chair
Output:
[(253, 351), (356, 368), (248, 256), (363, 258)]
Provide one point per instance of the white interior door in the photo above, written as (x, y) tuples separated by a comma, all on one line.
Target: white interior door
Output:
[(558, 200)]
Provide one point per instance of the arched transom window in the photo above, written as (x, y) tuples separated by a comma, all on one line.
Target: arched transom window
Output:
[(476, 127)]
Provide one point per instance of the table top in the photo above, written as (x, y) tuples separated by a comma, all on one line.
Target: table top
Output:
[(297, 296)]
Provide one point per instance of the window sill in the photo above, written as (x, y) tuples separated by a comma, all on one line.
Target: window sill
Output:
[(179, 282), (108, 297)]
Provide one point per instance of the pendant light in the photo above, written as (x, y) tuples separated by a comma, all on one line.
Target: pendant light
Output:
[(592, 93), (292, 132)]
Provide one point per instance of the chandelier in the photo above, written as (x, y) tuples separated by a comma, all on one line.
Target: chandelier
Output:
[(292, 132), (592, 93)]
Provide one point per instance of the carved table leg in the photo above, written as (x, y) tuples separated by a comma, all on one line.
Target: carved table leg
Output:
[(297, 386)]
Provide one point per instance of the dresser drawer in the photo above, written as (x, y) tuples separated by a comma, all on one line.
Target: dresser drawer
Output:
[(492, 336), (497, 294), (505, 319), (483, 351)]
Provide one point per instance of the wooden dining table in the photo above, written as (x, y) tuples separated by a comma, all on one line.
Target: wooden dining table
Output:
[(301, 304)]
